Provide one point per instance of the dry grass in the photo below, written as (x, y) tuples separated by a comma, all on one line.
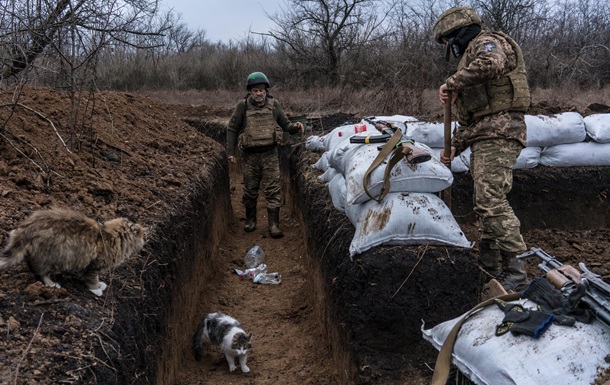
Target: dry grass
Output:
[(422, 104), (580, 99)]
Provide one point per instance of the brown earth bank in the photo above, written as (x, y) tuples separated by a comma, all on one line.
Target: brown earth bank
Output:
[(333, 319)]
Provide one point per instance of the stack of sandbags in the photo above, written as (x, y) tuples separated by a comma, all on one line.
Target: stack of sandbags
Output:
[(410, 214)]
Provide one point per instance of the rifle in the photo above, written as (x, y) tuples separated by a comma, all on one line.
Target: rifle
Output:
[(388, 130), (568, 279)]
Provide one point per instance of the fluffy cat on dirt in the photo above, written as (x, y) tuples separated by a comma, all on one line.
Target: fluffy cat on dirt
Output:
[(61, 241), (225, 332)]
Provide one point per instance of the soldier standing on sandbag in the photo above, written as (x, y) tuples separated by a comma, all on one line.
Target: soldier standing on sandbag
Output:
[(256, 128), (491, 95)]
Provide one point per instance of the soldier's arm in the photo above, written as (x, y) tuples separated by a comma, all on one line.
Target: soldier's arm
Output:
[(489, 62), (281, 119), (235, 125)]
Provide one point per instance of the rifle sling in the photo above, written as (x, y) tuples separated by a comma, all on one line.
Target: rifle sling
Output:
[(383, 153), (443, 361)]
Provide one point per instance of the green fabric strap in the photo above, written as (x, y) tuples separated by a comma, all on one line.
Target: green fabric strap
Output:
[(443, 361), (385, 151)]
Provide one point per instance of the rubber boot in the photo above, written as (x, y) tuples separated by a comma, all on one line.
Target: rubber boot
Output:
[(489, 258), (514, 272), (250, 219), (274, 222)]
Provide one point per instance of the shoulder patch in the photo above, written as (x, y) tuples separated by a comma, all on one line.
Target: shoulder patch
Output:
[(489, 47)]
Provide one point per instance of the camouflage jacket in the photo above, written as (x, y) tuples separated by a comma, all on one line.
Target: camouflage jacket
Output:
[(488, 56), (238, 121)]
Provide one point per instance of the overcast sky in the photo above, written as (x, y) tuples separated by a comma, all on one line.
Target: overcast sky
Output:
[(226, 19)]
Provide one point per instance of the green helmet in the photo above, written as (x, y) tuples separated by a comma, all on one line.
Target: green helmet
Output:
[(256, 78), (454, 19)]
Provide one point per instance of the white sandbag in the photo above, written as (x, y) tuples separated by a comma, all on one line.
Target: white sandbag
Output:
[(430, 176), (457, 165), (465, 157), (404, 219), (328, 175), (562, 355), (430, 133), (396, 119), (567, 127), (336, 156), (598, 127), (322, 163), (529, 158), (341, 134), (315, 143), (336, 188), (342, 151), (576, 154)]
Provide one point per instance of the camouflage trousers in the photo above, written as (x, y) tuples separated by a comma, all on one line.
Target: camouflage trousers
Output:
[(262, 169), (491, 165)]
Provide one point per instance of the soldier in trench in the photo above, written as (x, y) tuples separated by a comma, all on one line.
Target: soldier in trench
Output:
[(256, 129), (491, 95)]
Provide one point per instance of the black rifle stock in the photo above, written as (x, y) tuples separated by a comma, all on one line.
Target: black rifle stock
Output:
[(566, 278)]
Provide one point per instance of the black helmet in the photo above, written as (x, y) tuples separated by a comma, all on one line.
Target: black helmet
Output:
[(454, 19), (257, 78)]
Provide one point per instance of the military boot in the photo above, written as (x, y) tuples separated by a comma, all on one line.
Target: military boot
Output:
[(250, 219), (489, 258), (515, 277), (274, 222)]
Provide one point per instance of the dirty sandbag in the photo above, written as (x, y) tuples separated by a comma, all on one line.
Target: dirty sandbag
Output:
[(254, 257)]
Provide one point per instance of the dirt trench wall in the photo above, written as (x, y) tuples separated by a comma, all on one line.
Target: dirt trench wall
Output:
[(371, 311), (564, 198), (180, 263)]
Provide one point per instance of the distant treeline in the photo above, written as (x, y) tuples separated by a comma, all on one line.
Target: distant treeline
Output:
[(91, 45)]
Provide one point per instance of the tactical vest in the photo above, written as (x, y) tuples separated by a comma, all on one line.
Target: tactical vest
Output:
[(261, 129), (509, 92)]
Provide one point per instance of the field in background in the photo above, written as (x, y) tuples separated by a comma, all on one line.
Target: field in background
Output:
[(423, 105)]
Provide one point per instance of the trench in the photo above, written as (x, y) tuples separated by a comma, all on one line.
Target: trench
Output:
[(366, 311)]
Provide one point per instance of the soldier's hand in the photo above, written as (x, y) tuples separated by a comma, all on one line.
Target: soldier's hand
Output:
[(444, 93), (446, 160), (300, 126), (232, 159)]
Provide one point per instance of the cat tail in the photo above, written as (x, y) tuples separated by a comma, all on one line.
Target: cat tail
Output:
[(198, 341)]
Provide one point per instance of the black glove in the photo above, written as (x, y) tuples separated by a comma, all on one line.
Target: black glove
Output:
[(551, 300), (534, 326), (541, 291), (519, 320)]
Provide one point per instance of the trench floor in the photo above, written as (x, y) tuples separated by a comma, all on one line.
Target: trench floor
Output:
[(288, 346)]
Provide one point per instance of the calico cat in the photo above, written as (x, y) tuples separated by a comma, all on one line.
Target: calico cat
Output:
[(61, 240), (225, 332)]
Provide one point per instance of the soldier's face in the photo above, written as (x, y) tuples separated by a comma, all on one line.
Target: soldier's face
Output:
[(258, 93)]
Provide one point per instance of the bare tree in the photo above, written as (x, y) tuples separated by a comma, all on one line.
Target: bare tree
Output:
[(71, 33), (513, 17), (317, 34), (59, 43)]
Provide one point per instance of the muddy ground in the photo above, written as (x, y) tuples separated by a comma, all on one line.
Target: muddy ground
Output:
[(333, 319)]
